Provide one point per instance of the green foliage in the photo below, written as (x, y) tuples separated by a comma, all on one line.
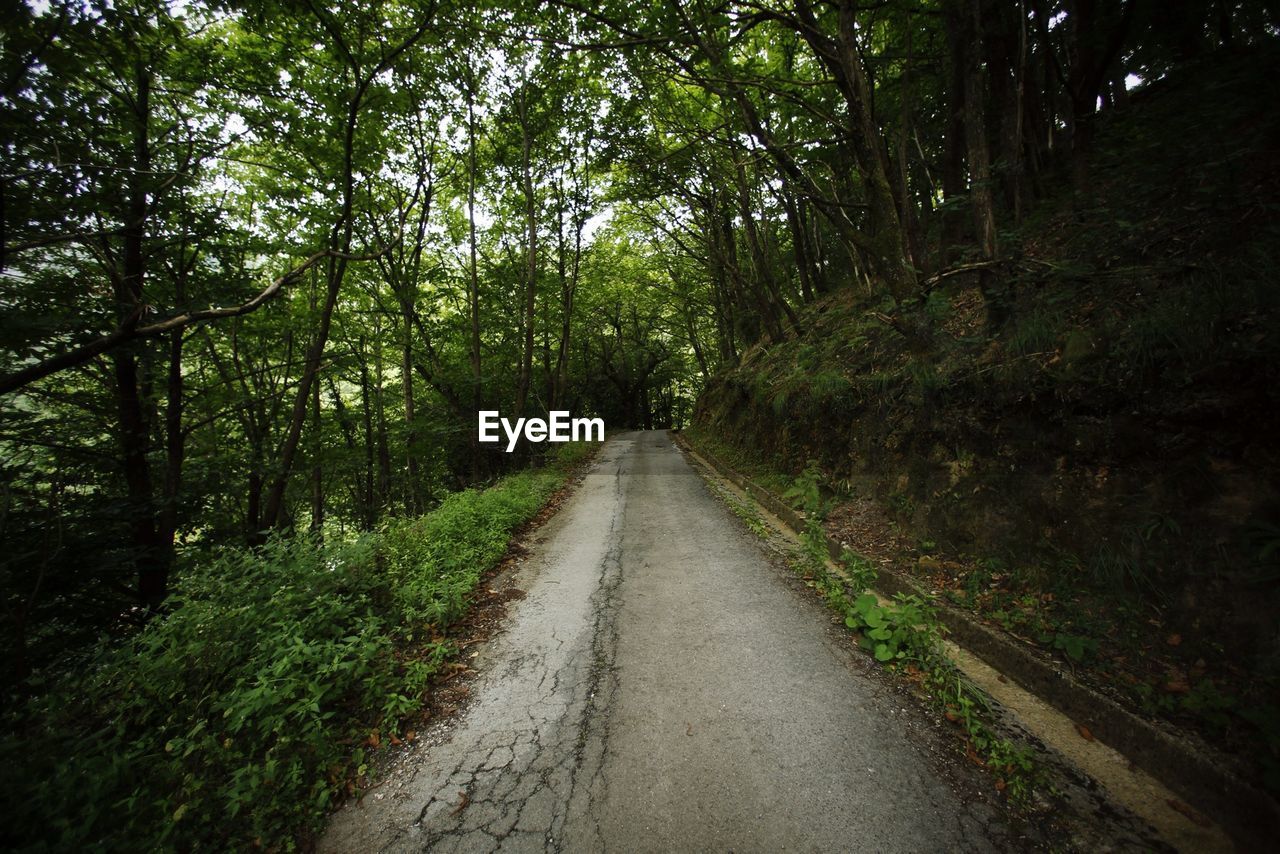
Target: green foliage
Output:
[(1076, 647), (806, 492), (905, 632), (235, 719)]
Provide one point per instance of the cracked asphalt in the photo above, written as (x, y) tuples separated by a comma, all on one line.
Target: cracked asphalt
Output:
[(664, 686)]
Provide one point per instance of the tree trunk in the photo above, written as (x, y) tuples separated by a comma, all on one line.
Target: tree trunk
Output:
[(981, 199), (340, 242), (413, 503), (384, 450), (317, 470), (152, 571), (531, 262), (473, 281), (175, 451)]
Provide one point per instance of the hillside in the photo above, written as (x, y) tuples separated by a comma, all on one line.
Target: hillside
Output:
[(1098, 473)]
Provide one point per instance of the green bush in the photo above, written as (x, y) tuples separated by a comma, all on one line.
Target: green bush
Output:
[(235, 719)]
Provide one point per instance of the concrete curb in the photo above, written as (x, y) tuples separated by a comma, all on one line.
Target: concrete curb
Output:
[(1207, 779)]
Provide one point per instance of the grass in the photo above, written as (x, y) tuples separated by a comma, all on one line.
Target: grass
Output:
[(237, 719)]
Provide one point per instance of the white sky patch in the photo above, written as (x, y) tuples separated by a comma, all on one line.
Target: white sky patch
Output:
[(234, 125), (595, 222), (1132, 81)]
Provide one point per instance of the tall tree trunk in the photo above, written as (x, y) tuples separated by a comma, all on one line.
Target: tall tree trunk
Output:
[(317, 469), (175, 452), (799, 245), (473, 281), (954, 187), (383, 495), (340, 243), (762, 282), (152, 571), (981, 197), (531, 255), (274, 514), (368, 498), (413, 503)]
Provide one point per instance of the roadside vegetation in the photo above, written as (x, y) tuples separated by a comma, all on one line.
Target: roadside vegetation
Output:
[(1004, 270), (237, 718), (904, 635)]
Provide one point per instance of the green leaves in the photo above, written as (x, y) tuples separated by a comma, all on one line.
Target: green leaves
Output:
[(243, 703)]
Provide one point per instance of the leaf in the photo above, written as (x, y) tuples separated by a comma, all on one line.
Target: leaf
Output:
[(883, 653), (1084, 732), (180, 812)]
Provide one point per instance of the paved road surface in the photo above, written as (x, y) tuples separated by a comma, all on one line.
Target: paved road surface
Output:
[(665, 686)]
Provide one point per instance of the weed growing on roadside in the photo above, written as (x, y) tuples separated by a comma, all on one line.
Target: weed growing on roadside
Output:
[(906, 633)]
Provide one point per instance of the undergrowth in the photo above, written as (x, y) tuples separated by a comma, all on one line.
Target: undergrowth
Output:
[(237, 718)]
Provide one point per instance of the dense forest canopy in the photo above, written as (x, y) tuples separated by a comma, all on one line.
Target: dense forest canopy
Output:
[(261, 263)]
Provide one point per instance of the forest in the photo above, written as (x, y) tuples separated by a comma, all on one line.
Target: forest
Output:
[(1002, 269)]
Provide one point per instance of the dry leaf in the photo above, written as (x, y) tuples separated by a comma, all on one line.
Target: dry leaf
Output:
[(1174, 639), (1084, 732)]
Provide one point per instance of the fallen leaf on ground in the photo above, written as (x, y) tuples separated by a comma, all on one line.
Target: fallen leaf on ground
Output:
[(1084, 732), (1174, 639)]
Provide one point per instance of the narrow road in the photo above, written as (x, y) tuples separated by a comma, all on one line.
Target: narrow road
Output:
[(665, 686)]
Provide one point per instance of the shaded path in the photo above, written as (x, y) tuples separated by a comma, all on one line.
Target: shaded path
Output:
[(664, 687)]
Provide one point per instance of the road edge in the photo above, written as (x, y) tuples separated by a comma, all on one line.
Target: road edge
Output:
[(1206, 778)]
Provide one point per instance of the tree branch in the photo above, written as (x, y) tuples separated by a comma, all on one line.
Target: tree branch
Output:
[(130, 329)]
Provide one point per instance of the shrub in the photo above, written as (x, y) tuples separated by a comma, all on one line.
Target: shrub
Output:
[(237, 717)]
